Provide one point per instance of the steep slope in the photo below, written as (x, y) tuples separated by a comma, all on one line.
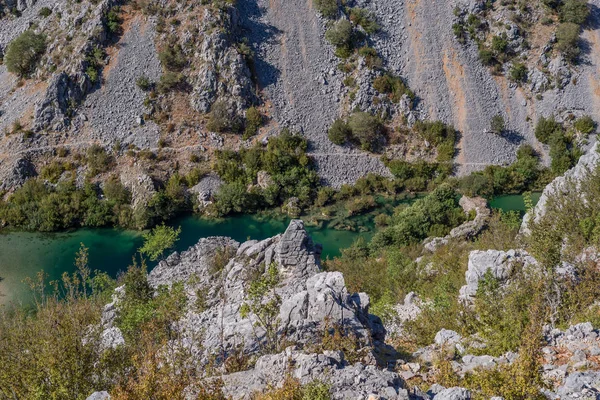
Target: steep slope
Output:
[(297, 71), (418, 42)]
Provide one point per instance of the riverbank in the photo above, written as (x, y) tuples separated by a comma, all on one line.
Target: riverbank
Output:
[(111, 250)]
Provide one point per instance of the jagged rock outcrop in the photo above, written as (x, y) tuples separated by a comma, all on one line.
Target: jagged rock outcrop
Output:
[(311, 302), (222, 71), (586, 163), (206, 189), (68, 88), (499, 263), (13, 174)]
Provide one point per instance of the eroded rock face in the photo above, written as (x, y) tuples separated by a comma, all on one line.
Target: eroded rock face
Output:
[(499, 263), (223, 73)]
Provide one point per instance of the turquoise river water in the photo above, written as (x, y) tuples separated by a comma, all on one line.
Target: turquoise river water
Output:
[(23, 254)]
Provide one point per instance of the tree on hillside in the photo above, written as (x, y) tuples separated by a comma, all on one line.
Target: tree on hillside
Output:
[(24, 52)]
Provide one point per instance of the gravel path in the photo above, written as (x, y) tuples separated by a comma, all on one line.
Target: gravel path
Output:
[(112, 110), (297, 71)]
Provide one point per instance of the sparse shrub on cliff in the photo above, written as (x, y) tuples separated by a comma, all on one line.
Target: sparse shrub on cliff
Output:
[(392, 85), (254, 120), (585, 124), (340, 34), (172, 57), (497, 124), (518, 72), (328, 8), (23, 53), (546, 128), (222, 119), (365, 19), (170, 81), (367, 130), (567, 36)]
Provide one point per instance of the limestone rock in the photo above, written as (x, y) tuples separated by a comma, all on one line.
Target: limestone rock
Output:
[(498, 263), (454, 393), (99, 396)]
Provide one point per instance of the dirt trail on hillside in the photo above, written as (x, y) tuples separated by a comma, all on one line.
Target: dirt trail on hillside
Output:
[(297, 71)]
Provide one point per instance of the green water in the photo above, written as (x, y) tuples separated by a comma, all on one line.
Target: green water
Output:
[(23, 254), (513, 202)]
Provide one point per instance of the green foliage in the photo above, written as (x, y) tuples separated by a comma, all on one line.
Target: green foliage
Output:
[(113, 20), (254, 121), (499, 45), (144, 83), (574, 11), (440, 135), (525, 174), (222, 118), (159, 240), (434, 215), (497, 124), (585, 124), (45, 12), (567, 36), (362, 17), (339, 132), (98, 160), (170, 81), (23, 53), (340, 34), (328, 8), (392, 85), (518, 72), (172, 57), (284, 159), (367, 130), (547, 128)]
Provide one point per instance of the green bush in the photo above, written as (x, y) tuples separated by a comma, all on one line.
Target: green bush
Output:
[(518, 72), (366, 129), (172, 58), (567, 36), (585, 124), (486, 56), (497, 124), (499, 45), (365, 19), (170, 81), (23, 53), (222, 119), (392, 85), (340, 34), (339, 132), (45, 12), (546, 128), (328, 8), (254, 121), (574, 11), (144, 83)]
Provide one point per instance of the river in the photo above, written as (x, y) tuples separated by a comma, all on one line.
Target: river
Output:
[(23, 254)]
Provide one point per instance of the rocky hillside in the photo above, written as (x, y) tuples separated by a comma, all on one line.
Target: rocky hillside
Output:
[(176, 79)]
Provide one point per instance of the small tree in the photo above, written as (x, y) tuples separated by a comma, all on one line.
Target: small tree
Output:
[(567, 36), (340, 34), (159, 240), (328, 8), (339, 132), (24, 52), (253, 122), (575, 11), (497, 124)]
